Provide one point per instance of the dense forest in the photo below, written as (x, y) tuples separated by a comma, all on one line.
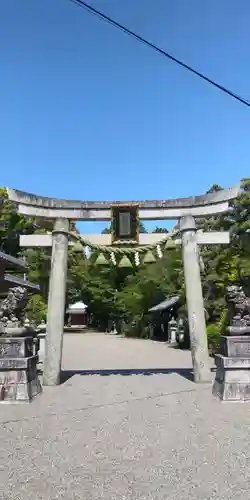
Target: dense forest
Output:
[(128, 293)]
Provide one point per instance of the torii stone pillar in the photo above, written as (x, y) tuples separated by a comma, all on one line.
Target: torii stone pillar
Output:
[(56, 303), (194, 298)]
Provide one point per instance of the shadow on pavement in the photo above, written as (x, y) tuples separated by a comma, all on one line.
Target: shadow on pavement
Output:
[(184, 372)]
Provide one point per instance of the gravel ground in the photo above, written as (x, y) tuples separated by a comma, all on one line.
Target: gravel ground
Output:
[(134, 437)]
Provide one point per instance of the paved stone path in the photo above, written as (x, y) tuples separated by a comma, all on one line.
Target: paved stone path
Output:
[(125, 437)]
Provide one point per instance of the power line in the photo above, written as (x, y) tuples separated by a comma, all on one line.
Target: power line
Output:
[(139, 38)]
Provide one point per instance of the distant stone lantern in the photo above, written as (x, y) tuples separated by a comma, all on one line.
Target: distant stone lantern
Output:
[(78, 315)]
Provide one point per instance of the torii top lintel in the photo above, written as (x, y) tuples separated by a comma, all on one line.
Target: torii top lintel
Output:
[(199, 206)]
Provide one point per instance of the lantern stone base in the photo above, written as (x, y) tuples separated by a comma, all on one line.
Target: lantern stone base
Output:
[(19, 381), (232, 379)]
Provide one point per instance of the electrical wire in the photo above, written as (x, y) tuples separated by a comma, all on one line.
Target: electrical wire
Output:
[(151, 45)]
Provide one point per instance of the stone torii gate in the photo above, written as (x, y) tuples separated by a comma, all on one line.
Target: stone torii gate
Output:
[(185, 210)]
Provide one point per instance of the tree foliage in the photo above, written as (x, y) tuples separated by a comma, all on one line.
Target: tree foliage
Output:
[(12, 225), (158, 229)]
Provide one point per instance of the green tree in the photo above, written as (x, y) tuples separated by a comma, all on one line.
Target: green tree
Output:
[(37, 309), (151, 284), (160, 230), (142, 229), (225, 265), (39, 263), (107, 230), (12, 225)]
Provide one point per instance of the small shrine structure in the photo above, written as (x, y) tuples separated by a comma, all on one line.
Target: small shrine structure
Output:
[(162, 314), (77, 315)]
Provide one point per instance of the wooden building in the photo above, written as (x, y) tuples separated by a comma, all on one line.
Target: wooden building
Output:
[(77, 315)]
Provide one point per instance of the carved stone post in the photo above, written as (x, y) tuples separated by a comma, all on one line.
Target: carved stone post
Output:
[(194, 298), (56, 303)]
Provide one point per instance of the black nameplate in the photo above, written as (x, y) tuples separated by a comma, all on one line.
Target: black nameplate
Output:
[(125, 223)]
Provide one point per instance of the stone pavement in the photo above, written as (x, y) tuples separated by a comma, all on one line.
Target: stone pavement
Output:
[(113, 436)]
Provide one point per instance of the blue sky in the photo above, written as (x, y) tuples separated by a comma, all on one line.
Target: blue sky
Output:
[(89, 113)]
